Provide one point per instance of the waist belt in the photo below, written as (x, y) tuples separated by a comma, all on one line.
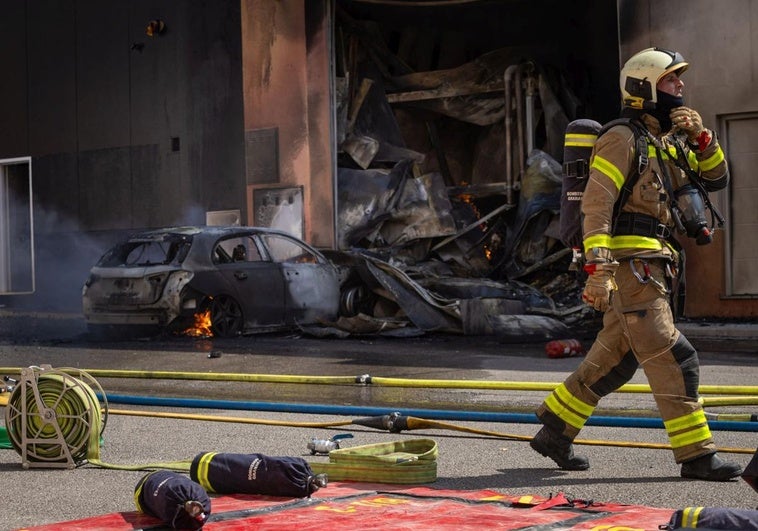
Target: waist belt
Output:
[(635, 224), (411, 461)]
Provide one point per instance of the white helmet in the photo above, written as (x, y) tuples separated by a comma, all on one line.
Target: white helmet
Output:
[(641, 74)]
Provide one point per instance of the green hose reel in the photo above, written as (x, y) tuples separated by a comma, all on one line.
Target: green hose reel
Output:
[(54, 419)]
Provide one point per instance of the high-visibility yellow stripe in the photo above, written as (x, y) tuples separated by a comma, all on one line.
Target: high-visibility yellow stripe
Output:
[(608, 169), (579, 140), (692, 160), (565, 405), (622, 242), (690, 437), (573, 402), (597, 240), (667, 153), (202, 471), (712, 161), (568, 416), (138, 493), (635, 242), (689, 420), (690, 516)]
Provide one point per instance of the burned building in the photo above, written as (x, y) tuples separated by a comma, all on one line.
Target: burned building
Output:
[(428, 133)]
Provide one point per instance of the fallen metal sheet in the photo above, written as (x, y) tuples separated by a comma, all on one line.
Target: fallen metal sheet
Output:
[(419, 305), (422, 211), (361, 148), (379, 209), (364, 199)]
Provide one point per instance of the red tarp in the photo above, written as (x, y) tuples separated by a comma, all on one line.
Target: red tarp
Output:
[(361, 506)]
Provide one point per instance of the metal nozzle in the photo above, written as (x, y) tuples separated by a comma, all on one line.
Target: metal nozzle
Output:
[(394, 422)]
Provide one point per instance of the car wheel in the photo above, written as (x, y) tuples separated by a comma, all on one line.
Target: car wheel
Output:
[(356, 299), (226, 316)]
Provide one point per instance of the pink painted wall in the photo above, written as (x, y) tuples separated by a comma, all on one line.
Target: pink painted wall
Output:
[(286, 79)]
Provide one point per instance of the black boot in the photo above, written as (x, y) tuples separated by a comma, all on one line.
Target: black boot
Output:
[(558, 447), (710, 468)]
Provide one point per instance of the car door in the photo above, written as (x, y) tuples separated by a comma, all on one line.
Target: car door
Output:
[(253, 280), (311, 282)]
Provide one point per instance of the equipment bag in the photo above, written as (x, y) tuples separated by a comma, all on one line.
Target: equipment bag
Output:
[(713, 518), (255, 474), (579, 142), (173, 498)]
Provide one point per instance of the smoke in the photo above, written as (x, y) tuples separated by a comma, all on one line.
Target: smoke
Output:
[(63, 256)]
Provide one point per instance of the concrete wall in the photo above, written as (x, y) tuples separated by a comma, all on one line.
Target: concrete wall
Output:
[(721, 45)]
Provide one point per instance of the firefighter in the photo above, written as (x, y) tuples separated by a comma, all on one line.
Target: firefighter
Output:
[(630, 259)]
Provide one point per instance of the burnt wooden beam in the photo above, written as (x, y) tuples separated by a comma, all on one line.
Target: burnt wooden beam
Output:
[(443, 92)]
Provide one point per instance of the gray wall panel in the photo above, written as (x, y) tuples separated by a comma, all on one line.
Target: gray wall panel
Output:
[(215, 106), (105, 189), (52, 77), (156, 67), (13, 85), (56, 201), (102, 72), (154, 191)]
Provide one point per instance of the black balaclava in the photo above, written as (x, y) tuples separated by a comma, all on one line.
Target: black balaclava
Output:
[(666, 102)]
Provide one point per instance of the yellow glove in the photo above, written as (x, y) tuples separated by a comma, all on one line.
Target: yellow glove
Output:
[(600, 284), (689, 121)]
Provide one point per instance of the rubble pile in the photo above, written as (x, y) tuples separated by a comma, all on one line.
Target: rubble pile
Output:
[(449, 192)]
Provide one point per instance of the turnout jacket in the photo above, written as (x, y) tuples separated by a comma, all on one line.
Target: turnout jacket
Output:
[(613, 160)]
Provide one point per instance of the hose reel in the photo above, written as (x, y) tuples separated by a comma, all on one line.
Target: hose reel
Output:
[(55, 420)]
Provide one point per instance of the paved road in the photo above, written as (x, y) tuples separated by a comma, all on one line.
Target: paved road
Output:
[(621, 474)]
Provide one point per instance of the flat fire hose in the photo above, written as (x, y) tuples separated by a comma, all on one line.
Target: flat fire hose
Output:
[(412, 461)]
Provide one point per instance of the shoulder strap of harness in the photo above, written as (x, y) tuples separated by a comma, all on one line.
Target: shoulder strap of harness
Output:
[(640, 143)]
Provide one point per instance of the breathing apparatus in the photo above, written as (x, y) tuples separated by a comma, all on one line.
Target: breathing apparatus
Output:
[(689, 214), (689, 205)]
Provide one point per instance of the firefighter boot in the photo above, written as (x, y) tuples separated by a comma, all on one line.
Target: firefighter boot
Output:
[(710, 467), (558, 447)]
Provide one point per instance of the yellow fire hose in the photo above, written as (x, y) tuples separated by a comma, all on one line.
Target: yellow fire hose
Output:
[(383, 382)]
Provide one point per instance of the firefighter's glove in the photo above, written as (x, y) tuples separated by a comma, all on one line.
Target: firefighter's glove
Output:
[(600, 284), (689, 121)]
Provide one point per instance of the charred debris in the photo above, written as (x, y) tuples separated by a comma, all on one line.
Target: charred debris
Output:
[(449, 192)]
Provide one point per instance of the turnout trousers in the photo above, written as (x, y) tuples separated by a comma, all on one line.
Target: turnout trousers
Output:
[(638, 331)]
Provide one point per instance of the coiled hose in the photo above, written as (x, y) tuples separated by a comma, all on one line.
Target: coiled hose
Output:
[(54, 418)]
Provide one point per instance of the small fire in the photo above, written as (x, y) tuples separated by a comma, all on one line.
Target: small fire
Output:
[(202, 326)]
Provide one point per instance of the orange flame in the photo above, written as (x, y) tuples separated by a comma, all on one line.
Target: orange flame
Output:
[(202, 326)]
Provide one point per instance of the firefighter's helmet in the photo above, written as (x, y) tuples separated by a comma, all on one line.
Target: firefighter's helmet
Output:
[(641, 74)]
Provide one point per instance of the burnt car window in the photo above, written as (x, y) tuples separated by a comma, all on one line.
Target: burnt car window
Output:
[(147, 252), (288, 251), (238, 249)]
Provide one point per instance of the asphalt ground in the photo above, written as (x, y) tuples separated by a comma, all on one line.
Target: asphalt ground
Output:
[(623, 474)]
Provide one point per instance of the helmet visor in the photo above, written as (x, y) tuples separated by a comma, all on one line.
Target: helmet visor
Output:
[(677, 64)]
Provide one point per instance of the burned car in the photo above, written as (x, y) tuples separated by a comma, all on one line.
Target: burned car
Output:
[(242, 279)]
